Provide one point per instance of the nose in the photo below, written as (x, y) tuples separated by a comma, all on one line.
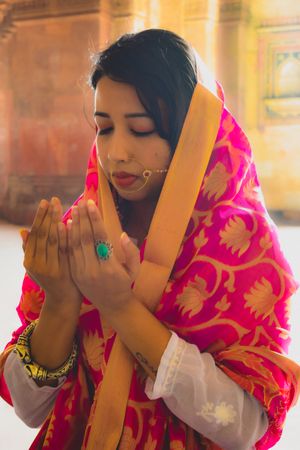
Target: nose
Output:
[(117, 148)]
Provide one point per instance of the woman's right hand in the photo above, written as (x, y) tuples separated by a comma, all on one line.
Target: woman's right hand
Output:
[(45, 256)]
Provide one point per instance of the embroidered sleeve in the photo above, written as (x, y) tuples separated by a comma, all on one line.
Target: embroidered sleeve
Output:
[(205, 398)]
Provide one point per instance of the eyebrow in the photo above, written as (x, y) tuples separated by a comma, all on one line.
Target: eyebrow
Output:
[(128, 115)]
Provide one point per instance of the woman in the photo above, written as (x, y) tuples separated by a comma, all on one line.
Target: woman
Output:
[(175, 342)]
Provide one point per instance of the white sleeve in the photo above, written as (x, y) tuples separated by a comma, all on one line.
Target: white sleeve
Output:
[(32, 403), (205, 398)]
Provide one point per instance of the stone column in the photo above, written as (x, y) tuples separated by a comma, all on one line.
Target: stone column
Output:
[(171, 16), (6, 100), (199, 28), (236, 58), (131, 16), (105, 24)]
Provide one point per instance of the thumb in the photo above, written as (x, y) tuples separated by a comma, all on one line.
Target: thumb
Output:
[(24, 235), (132, 256)]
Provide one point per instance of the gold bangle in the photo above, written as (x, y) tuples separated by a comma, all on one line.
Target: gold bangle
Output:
[(34, 370)]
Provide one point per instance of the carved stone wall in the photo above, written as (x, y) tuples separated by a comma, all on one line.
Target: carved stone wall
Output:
[(36, 9), (25, 191), (277, 135), (46, 126), (259, 66)]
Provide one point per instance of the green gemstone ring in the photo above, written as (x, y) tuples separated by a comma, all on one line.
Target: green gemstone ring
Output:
[(103, 250)]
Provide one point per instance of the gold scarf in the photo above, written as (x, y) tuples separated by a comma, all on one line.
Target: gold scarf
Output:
[(177, 200)]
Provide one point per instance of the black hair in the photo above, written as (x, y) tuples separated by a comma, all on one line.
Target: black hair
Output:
[(162, 68)]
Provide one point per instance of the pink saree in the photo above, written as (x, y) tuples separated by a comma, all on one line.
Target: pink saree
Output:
[(228, 293)]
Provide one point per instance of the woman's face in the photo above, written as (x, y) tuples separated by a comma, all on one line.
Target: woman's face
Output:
[(127, 141)]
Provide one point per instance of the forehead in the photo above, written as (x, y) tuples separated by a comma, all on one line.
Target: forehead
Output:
[(117, 97)]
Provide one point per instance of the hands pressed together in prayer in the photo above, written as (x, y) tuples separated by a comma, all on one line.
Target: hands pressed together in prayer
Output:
[(62, 258)]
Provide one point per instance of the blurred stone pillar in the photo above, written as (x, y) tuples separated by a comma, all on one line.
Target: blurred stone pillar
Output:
[(199, 28), (171, 16), (236, 56), (130, 16), (105, 24), (6, 100)]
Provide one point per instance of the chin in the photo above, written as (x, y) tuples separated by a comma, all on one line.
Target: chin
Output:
[(132, 196)]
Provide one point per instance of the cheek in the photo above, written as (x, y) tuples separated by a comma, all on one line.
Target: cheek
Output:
[(102, 158), (162, 152), (164, 156), (101, 149)]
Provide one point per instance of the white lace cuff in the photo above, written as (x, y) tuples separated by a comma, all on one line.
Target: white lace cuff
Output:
[(165, 378), (205, 398)]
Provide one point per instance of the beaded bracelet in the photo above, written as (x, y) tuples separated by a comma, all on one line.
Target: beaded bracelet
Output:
[(36, 372)]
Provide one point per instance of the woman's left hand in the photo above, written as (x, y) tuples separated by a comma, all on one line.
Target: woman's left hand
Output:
[(107, 284)]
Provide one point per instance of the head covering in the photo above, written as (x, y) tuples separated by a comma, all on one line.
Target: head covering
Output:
[(227, 292)]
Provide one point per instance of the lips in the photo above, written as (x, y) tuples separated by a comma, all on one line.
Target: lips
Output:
[(124, 179), (123, 174)]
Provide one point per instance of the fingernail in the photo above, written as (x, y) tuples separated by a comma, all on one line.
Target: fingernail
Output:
[(69, 222), (23, 233), (91, 204), (125, 238), (43, 204)]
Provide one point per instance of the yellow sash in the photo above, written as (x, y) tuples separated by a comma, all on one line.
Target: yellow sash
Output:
[(167, 229)]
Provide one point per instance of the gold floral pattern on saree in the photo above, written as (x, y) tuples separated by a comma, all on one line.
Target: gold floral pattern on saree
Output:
[(267, 378), (265, 242), (216, 182), (236, 236), (50, 430), (251, 191), (223, 304), (128, 442), (261, 299), (192, 298), (200, 240), (151, 443), (94, 348), (176, 445), (133, 437), (228, 125)]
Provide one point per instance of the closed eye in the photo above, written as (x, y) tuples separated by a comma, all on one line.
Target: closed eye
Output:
[(142, 133), (104, 131), (107, 130)]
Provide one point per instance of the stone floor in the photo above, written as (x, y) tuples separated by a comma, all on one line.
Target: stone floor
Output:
[(14, 435)]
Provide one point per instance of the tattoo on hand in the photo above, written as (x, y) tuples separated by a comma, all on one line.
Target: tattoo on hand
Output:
[(144, 361)]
